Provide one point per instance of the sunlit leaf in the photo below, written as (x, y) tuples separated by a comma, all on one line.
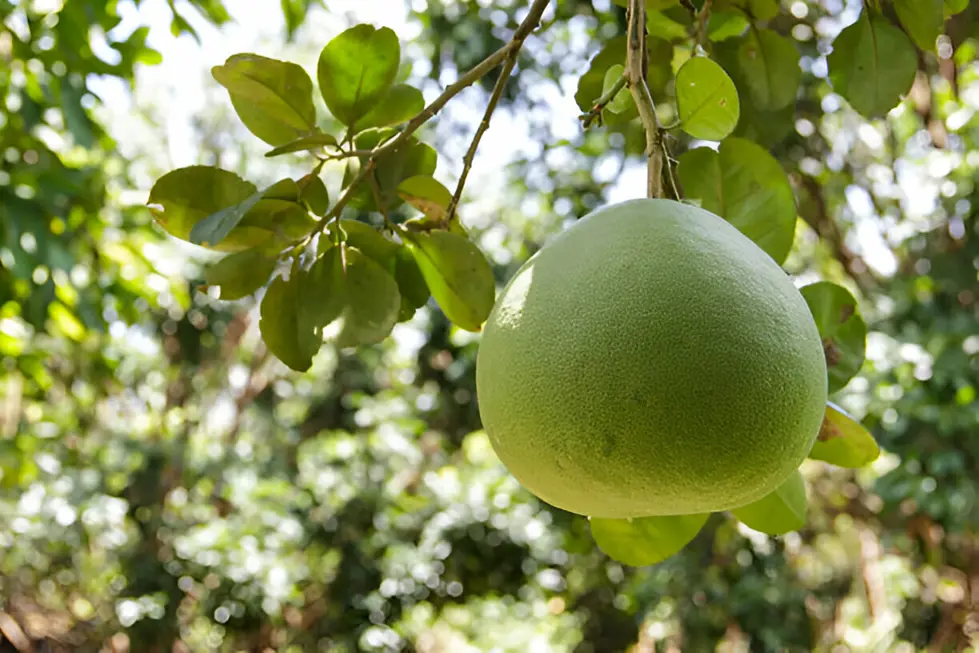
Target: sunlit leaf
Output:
[(843, 441), (782, 510), (746, 186), (706, 100), (357, 69), (310, 142), (842, 329), (592, 83), (313, 193), (273, 98), (401, 104), (457, 274), (622, 101), (426, 194), (872, 65), (645, 540)]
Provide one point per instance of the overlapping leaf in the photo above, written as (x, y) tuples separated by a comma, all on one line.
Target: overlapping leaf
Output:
[(645, 540)]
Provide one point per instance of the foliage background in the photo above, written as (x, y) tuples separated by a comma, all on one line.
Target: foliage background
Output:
[(165, 485)]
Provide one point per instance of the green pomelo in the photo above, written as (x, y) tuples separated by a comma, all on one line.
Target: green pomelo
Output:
[(651, 360)]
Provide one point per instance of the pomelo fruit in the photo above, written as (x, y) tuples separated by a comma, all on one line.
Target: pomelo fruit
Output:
[(651, 360)]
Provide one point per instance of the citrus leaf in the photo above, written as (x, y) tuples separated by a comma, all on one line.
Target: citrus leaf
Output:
[(843, 441), (651, 5), (953, 7), (724, 25), (769, 63), (591, 84), (645, 541), (241, 274), (746, 186), (323, 290), (872, 65), (756, 9), (312, 141), (283, 219), (273, 98), (182, 198), (706, 100), (373, 302), (401, 104), (357, 69), (371, 243), (842, 329), (780, 511), (412, 159), (285, 189), (661, 26), (313, 194), (457, 274), (427, 195), (923, 20), (622, 101), (292, 340), (411, 283)]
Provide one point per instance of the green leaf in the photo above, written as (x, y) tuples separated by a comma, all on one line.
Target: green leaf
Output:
[(622, 101), (769, 64), (411, 283), (756, 9), (843, 441), (293, 340), (401, 104), (872, 65), (706, 100), (923, 20), (313, 193), (645, 540), (273, 98), (361, 300), (767, 128), (357, 69), (370, 241), (651, 5), (953, 7), (746, 186), (284, 220), (412, 159), (457, 274), (724, 25), (426, 194), (241, 274), (592, 83), (782, 510), (661, 26), (309, 142), (842, 329), (182, 198), (285, 189)]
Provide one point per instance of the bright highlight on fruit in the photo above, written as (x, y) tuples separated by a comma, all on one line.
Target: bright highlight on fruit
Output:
[(651, 360)]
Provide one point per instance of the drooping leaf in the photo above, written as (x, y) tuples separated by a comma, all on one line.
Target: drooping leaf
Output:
[(457, 274), (292, 340), (706, 100), (782, 510), (426, 194), (872, 65), (401, 104), (411, 283), (313, 193), (769, 67), (273, 98), (843, 441), (842, 329), (241, 274), (371, 243), (357, 69), (312, 141), (645, 540), (922, 20), (746, 186), (182, 198)]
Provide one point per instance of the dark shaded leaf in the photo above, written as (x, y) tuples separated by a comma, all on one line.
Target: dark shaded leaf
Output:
[(842, 329), (241, 274)]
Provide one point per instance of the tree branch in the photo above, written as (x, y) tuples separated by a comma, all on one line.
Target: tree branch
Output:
[(635, 72), (475, 73)]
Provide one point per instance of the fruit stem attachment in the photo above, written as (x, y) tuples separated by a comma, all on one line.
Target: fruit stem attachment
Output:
[(635, 72)]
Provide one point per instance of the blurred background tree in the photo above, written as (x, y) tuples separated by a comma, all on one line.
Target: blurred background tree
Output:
[(166, 485)]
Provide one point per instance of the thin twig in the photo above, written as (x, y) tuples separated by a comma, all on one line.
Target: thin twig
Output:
[(635, 72), (702, 19), (467, 160), (376, 191), (587, 119), (474, 74)]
